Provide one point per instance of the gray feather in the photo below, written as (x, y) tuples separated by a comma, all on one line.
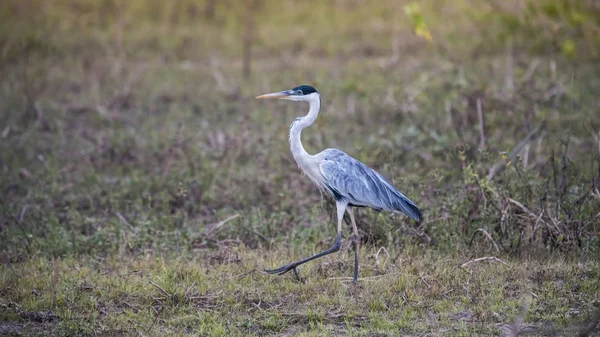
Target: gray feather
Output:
[(348, 178)]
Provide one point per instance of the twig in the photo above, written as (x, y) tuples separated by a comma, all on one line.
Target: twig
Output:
[(487, 235), (563, 169), (504, 211), (530, 70), (522, 207), (510, 69), (424, 281), (259, 235), (122, 219), (23, 212), (131, 306), (596, 193), (531, 214), (377, 256), (537, 221), (481, 124), (259, 302), (526, 156), (554, 172), (219, 224), (161, 289), (500, 166), (370, 278), (538, 150), (158, 313), (487, 258), (18, 224)]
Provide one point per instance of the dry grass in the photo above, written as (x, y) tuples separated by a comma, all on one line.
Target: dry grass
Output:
[(224, 292)]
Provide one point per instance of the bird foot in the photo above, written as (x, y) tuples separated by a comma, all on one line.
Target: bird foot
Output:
[(284, 269), (292, 266)]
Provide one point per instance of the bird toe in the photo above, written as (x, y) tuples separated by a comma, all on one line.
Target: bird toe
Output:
[(278, 271)]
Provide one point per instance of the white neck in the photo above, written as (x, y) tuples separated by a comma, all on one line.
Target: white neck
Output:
[(300, 155)]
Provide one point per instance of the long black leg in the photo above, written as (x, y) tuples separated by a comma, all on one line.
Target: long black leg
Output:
[(356, 242), (355, 275), (292, 266), (341, 208)]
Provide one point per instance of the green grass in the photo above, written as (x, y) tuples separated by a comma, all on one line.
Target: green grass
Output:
[(224, 292), (143, 188)]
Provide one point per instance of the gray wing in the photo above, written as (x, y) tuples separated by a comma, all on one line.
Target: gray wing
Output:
[(349, 179)]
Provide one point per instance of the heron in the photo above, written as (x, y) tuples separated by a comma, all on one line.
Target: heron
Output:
[(350, 182)]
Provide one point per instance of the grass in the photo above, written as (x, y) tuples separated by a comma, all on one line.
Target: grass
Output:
[(223, 292), (143, 189)]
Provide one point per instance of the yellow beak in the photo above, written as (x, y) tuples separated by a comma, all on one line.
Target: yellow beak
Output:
[(274, 95)]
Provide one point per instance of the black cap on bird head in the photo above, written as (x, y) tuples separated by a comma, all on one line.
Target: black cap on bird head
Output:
[(304, 90)]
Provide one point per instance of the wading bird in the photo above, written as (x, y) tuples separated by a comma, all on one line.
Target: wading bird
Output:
[(350, 182)]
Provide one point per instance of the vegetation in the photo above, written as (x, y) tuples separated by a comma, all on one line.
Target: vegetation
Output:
[(143, 189)]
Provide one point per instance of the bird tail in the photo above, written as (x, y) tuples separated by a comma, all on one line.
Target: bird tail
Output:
[(406, 206)]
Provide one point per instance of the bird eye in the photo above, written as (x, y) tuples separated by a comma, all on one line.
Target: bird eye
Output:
[(299, 92)]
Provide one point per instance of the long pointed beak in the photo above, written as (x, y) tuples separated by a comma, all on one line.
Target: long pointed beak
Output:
[(274, 95)]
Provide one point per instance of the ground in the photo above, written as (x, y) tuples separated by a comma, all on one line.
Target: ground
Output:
[(225, 292), (144, 189)]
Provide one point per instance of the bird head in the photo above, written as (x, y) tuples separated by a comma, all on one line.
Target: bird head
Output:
[(302, 93)]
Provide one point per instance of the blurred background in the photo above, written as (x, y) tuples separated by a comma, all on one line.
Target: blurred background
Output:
[(131, 125)]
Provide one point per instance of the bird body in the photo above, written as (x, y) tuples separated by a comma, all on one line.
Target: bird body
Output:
[(349, 179), (350, 182)]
